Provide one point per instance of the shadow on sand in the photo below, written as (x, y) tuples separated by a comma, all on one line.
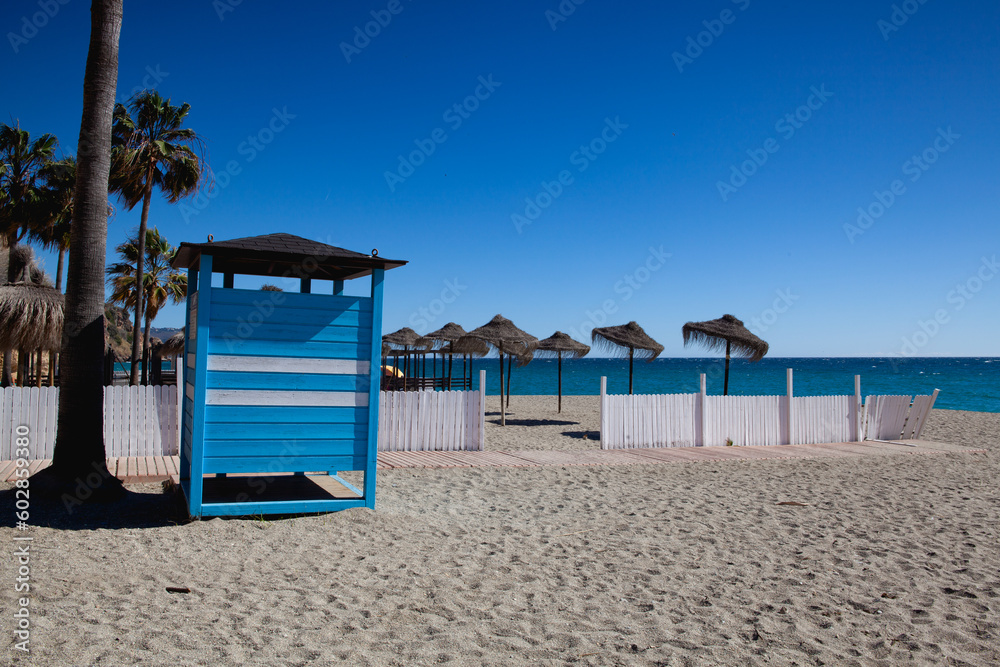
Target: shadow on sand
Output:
[(584, 435), (135, 510), (531, 422)]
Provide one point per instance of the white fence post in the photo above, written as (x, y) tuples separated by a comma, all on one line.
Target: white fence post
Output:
[(482, 411), (859, 435), (791, 410), (604, 413), (701, 427)]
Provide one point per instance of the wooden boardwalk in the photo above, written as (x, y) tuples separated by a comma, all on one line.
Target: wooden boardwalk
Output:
[(161, 468)]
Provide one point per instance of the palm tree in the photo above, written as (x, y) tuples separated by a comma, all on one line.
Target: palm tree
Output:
[(60, 179), (22, 201), (151, 149), (79, 455), (160, 281)]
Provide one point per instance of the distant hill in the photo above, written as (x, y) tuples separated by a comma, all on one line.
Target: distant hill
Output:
[(162, 334)]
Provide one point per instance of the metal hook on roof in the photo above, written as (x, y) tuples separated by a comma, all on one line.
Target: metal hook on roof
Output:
[(210, 238), (374, 252)]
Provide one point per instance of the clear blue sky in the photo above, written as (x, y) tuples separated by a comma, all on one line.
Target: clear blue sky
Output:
[(676, 118)]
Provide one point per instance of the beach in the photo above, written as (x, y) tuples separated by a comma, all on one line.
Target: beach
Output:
[(882, 560)]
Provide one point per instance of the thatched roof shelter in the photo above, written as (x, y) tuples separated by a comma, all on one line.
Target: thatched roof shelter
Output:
[(500, 334), (557, 345), (31, 317), (449, 333), (726, 333), (627, 339)]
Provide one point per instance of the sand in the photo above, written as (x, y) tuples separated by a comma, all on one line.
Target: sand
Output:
[(890, 560)]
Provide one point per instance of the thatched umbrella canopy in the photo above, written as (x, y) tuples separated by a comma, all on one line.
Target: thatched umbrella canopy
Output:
[(444, 339), (501, 335), (557, 345), (727, 333), (173, 346), (628, 337), (406, 340), (31, 317)]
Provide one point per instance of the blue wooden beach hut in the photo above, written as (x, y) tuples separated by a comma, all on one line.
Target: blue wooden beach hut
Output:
[(280, 388)]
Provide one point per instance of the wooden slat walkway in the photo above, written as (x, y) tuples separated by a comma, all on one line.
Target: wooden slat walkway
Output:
[(161, 468)]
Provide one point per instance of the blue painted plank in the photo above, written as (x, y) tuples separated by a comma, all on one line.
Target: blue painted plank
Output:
[(187, 416), (290, 349), (285, 431), (284, 415), (289, 381), (375, 347), (266, 301), (301, 316), (279, 507), (289, 331), (280, 451), (265, 465), (198, 402)]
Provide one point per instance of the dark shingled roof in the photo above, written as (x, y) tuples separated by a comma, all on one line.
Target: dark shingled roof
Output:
[(282, 255)]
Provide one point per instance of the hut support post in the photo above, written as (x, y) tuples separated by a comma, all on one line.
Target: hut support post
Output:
[(338, 287), (725, 388), (227, 280), (378, 277), (560, 382), (305, 285)]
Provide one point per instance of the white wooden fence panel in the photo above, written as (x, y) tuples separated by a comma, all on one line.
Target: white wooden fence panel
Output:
[(744, 420), (886, 416), (659, 420), (820, 419), (138, 421), (411, 421)]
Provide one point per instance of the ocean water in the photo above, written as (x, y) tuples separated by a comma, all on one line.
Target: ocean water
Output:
[(965, 383)]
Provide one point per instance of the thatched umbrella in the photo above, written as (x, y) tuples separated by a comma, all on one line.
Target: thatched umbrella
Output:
[(173, 346), (500, 334), (444, 338), (407, 340), (629, 337), (557, 345), (31, 317), (729, 333)]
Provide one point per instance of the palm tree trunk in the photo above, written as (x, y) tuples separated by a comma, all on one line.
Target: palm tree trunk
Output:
[(140, 277), (146, 356), (79, 470), (59, 269)]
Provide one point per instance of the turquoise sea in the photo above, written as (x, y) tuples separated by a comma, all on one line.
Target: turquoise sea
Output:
[(966, 383)]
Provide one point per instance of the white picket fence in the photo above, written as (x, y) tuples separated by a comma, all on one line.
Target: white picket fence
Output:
[(699, 420), (443, 421), (138, 421), (144, 421)]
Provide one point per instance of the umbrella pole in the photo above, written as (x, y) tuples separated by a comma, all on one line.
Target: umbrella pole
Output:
[(451, 361), (631, 353), (560, 382), (509, 359), (503, 413), (725, 388)]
